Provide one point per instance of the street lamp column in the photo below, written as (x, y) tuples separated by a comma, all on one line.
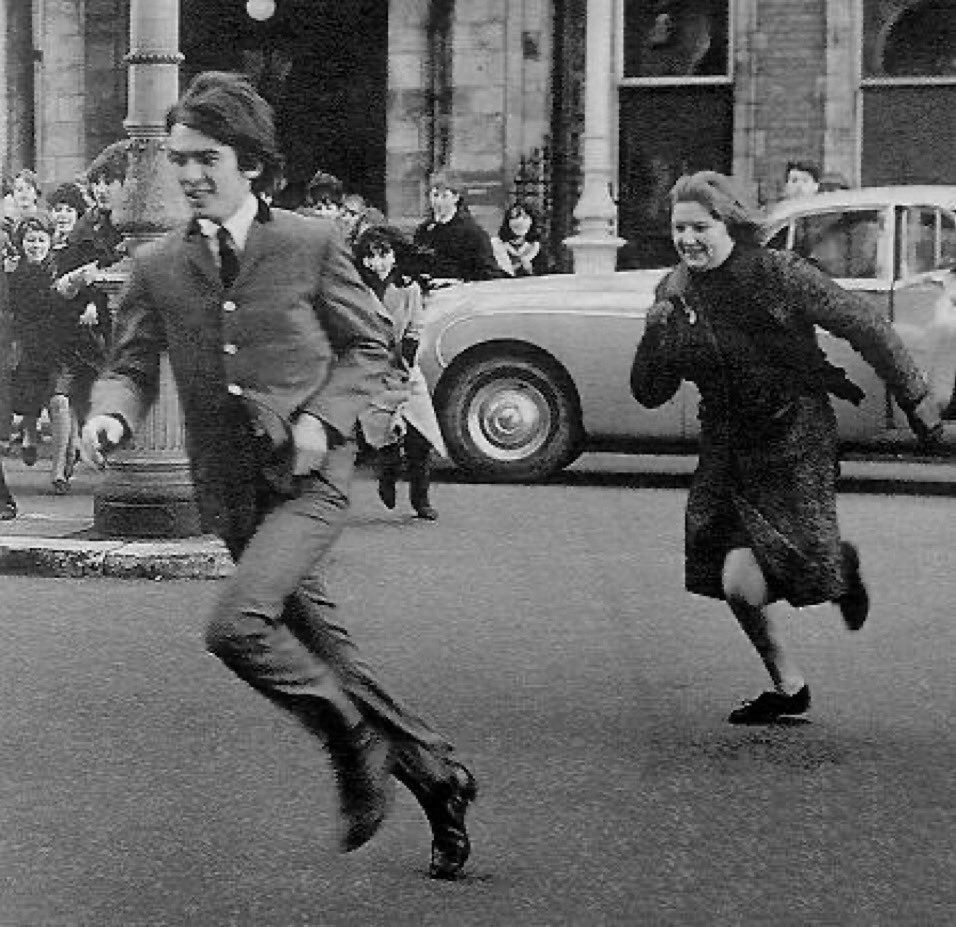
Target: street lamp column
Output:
[(596, 243), (147, 491)]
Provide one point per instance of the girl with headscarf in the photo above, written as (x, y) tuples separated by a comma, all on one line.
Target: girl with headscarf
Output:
[(738, 320)]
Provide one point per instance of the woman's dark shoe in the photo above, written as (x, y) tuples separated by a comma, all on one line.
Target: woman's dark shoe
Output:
[(8, 510), (426, 511), (445, 807), (29, 454), (771, 706), (854, 602)]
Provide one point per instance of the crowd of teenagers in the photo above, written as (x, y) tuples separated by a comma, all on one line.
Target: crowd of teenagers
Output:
[(55, 323)]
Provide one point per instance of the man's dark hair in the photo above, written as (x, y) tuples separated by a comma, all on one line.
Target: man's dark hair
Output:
[(112, 163), (809, 167), (325, 187), (71, 194), (226, 107)]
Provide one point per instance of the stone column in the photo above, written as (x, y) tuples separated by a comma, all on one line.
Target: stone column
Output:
[(841, 140), (595, 245), (147, 491)]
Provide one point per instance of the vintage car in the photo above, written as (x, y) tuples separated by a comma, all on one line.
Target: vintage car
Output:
[(528, 373)]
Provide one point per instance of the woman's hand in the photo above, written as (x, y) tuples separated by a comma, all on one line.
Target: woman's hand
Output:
[(90, 315), (925, 422)]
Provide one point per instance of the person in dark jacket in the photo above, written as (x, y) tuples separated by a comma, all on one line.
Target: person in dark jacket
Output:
[(277, 348), (35, 326), (93, 245), (8, 505), (460, 248), (738, 320), (78, 326)]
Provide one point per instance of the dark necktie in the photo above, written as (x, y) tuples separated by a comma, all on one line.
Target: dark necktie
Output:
[(228, 259)]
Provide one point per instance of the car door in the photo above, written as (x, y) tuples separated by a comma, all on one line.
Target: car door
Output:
[(923, 299)]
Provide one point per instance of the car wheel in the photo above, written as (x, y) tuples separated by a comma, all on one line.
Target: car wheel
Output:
[(511, 418)]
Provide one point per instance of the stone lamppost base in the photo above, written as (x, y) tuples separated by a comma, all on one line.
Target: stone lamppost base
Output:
[(146, 496)]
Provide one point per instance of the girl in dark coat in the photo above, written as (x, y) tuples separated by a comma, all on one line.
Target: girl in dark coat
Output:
[(35, 327), (8, 506), (738, 321)]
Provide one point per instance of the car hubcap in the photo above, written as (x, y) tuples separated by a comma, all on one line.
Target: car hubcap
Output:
[(509, 419)]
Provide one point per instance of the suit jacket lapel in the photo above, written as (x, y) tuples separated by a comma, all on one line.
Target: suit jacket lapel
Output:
[(256, 245), (199, 256)]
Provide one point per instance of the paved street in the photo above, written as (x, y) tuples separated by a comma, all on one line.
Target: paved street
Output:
[(549, 634)]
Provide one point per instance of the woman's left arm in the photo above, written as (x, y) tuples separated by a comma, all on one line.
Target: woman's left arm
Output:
[(847, 315)]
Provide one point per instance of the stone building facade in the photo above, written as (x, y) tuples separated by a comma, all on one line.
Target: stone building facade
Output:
[(382, 91)]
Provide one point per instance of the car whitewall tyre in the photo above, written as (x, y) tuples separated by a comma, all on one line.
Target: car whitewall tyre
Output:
[(511, 418)]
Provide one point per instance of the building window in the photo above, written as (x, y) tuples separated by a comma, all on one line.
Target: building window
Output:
[(676, 38), (909, 39)]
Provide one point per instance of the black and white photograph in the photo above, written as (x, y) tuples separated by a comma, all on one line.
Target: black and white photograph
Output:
[(474, 464)]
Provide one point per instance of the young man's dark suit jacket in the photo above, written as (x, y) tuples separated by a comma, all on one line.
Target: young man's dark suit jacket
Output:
[(297, 332)]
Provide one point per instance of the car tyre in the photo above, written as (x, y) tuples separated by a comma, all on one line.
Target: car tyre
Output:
[(511, 418)]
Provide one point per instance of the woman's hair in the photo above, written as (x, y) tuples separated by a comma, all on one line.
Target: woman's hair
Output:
[(720, 197), (112, 163), (226, 107), (514, 208), (410, 260), (71, 195), (38, 223), (29, 176)]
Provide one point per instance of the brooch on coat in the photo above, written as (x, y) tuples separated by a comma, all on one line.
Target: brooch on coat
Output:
[(686, 308)]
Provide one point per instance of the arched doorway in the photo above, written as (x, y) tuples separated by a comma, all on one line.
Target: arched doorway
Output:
[(323, 66)]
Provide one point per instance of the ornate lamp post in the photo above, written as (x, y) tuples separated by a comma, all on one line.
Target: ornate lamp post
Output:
[(595, 245), (147, 491)]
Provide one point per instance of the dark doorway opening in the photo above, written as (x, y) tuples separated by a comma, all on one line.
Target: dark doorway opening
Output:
[(322, 64)]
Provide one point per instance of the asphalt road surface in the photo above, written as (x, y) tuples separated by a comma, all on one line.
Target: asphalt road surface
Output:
[(546, 630)]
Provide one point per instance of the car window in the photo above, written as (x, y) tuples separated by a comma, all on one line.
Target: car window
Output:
[(779, 240), (920, 239), (929, 236), (842, 244), (947, 239)]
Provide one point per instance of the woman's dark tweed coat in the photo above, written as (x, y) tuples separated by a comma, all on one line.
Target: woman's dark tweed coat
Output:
[(766, 477)]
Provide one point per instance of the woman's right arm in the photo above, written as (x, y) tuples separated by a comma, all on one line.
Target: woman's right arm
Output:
[(655, 376)]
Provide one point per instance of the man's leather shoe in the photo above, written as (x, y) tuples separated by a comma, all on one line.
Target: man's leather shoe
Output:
[(362, 764), (386, 492), (445, 807)]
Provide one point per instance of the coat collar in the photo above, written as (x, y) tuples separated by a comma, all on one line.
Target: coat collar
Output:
[(201, 258)]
